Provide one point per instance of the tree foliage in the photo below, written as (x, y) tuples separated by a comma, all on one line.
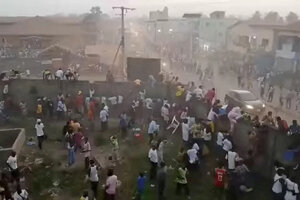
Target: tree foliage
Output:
[(272, 16), (291, 17)]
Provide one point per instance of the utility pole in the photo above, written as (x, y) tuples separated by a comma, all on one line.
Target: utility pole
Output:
[(123, 12)]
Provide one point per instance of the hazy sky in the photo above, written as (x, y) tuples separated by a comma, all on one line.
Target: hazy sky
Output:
[(176, 7)]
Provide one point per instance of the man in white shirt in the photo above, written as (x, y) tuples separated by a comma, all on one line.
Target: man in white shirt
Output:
[(193, 156), (153, 157), (278, 183), (232, 157), (199, 92), (104, 119), (87, 152), (12, 163), (20, 194), (152, 130), (185, 130), (59, 74), (165, 113), (227, 145), (93, 177), (39, 127), (111, 185)]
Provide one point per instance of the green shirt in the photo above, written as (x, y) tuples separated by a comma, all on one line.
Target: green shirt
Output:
[(181, 176)]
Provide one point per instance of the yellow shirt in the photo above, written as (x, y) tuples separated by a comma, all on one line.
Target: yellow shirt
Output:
[(39, 109)]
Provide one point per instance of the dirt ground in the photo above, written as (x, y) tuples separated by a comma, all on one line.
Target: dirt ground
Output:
[(48, 177)]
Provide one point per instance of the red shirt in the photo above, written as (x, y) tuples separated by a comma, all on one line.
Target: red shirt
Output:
[(79, 101), (220, 178)]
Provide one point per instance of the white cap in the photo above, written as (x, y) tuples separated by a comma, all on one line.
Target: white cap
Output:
[(38, 120)]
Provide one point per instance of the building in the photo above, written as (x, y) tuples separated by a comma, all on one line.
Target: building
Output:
[(41, 32), (213, 29), (287, 47), (159, 15), (245, 36)]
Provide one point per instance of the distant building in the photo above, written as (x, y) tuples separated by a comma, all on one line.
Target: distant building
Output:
[(159, 15), (287, 47), (245, 36), (42, 32), (213, 30), (217, 15)]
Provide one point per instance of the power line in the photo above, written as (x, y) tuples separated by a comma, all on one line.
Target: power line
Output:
[(124, 10)]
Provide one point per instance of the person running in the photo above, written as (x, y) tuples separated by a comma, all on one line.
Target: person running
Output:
[(220, 175), (160, 151), (141, 186), (111, 185), (153, 157), (292, 190), (271, 93), (12, 163), (232, 157), (39, 127), (87, 152), (152, 130), (20, 194), (279, 184), (93, 177), (104, 119), (181, 181)]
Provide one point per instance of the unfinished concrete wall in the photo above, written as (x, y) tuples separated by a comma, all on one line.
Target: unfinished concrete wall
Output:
[(10, 139)]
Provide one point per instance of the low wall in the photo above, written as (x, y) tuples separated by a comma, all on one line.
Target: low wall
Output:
[(22, 90), (270, 146), (11, 139)]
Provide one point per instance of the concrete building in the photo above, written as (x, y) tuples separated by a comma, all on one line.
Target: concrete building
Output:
[(213, 29), (159, 15), (247, 36), (287, 47)]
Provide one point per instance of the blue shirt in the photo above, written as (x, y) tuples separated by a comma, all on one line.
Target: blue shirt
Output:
[(141, 184), (152, 127)]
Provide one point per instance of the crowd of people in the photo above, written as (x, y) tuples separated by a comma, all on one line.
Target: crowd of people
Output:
[(200, 137)]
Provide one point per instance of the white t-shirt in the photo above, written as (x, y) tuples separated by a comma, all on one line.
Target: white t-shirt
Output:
[(112, 183), (277, 187), (22, 196), (94, 174), (92, 92), (192, 153), (39, 129), (185, 132), (87, 149), (220, 138), (152, 155), (103, 115), (165, 113), (188, 96), (227, 145), (59, 74), (196, 146), (231, 157), (198, 92), (12, 162), (113, 100), (292, 190), (120, 99), (206, 136), (149, 103), (211, 115)]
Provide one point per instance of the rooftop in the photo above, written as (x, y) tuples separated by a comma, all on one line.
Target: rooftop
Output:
[(192, 15), (40, 26)]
